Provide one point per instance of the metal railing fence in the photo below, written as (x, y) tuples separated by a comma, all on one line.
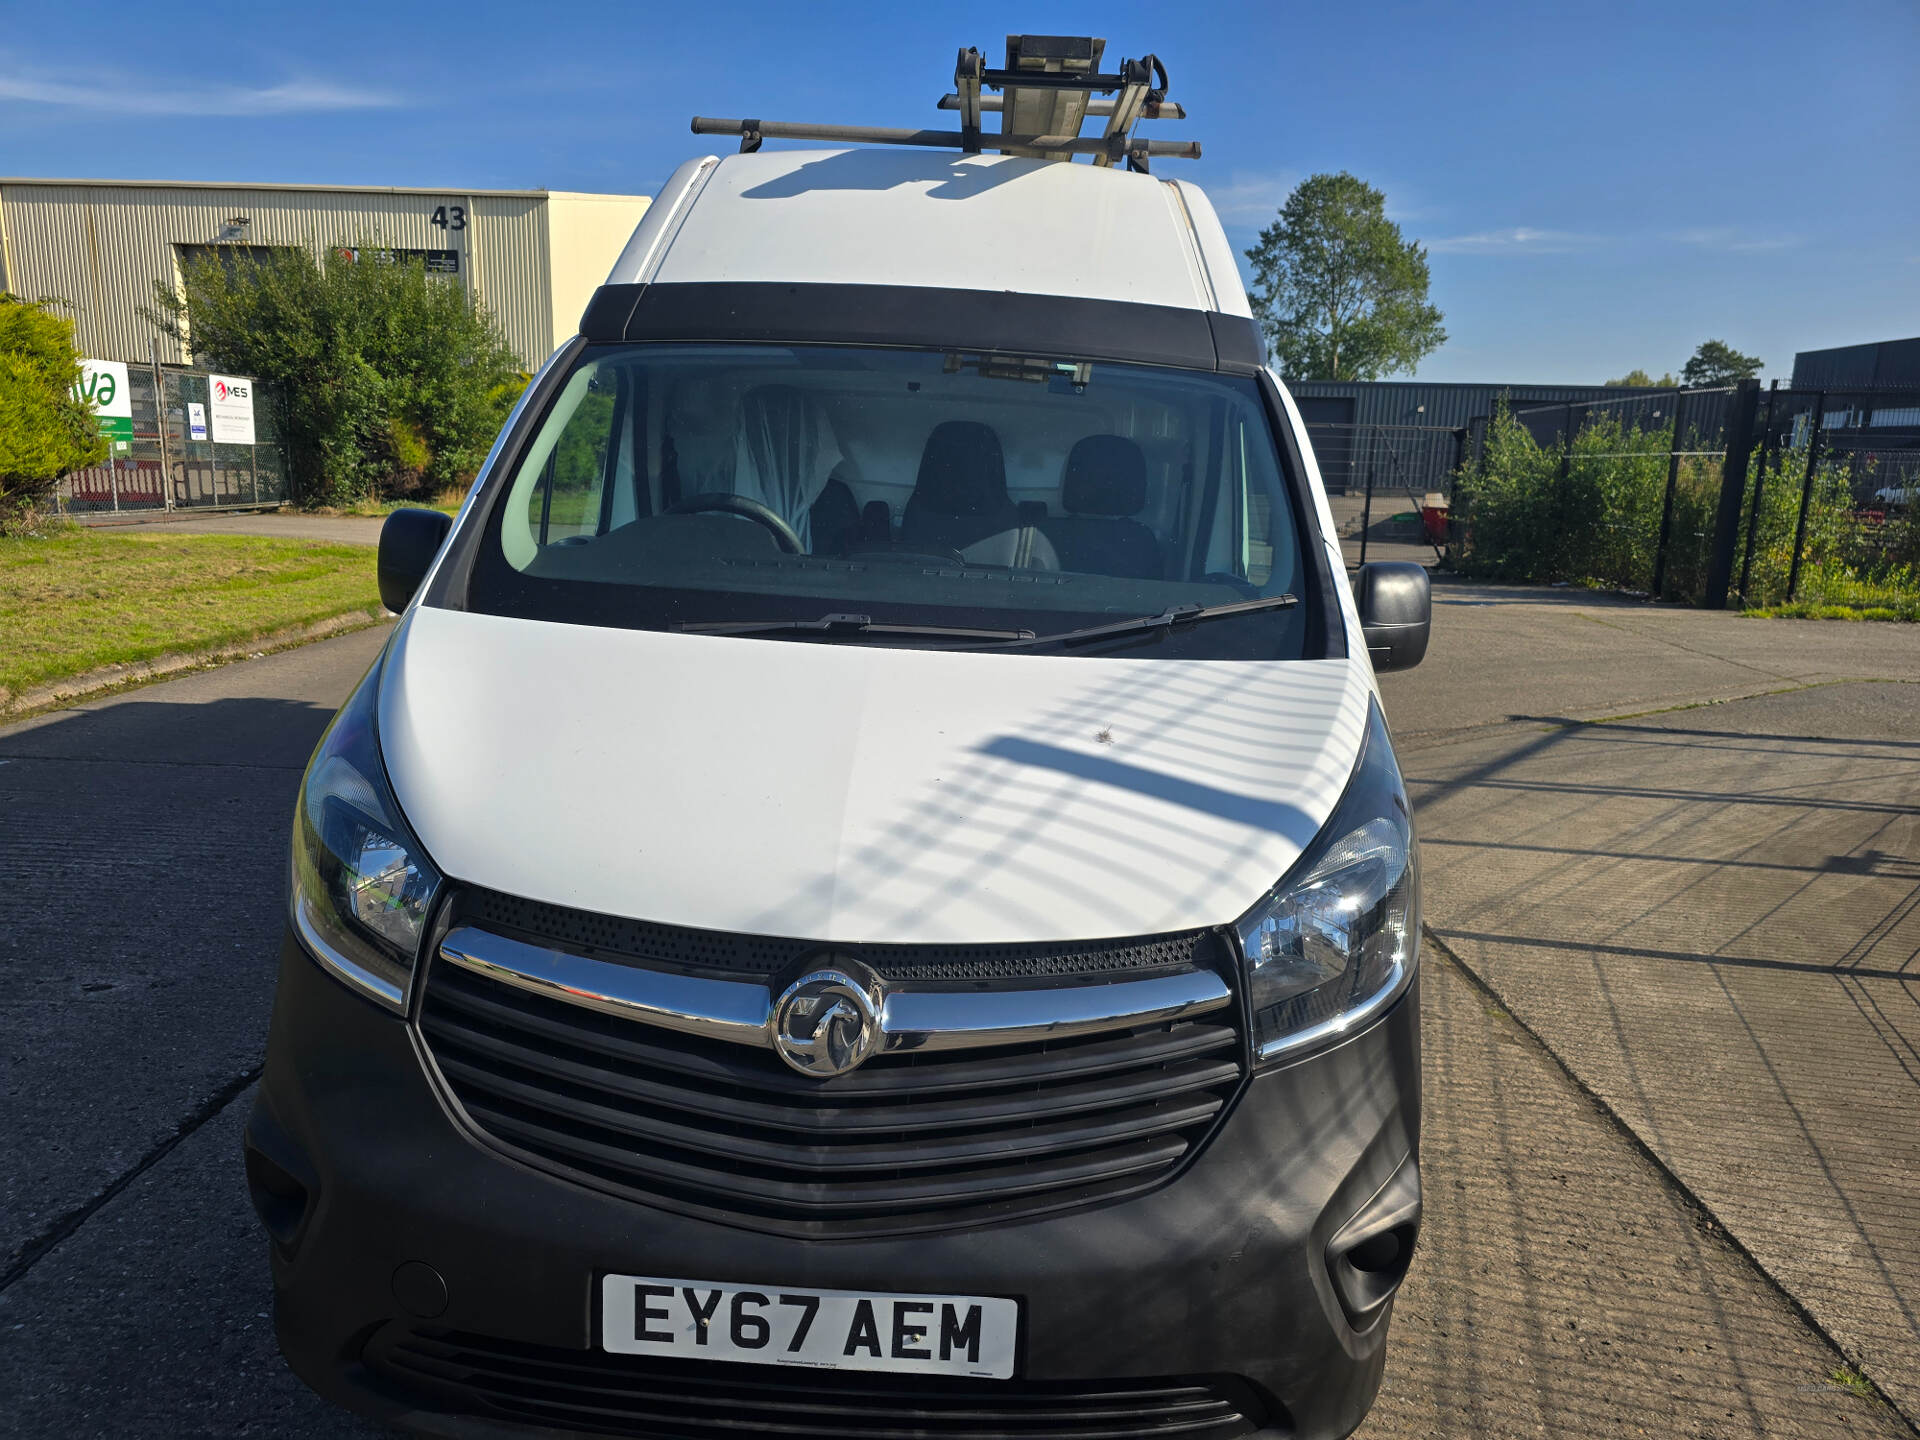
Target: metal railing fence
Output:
[(1729, 495), (1397, 466), (1831, 511), (166, 469), (1618, 493)]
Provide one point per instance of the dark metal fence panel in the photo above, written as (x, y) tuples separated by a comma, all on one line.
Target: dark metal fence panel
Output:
[(1831, 515), (1409, 459), (1618, 490), (166, 468)]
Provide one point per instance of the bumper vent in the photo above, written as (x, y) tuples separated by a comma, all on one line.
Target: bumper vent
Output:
[(584, 1391), (909, 1142)]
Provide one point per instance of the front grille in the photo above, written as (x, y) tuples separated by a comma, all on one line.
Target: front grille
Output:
[(908, 1142), (736, 957), (585, 1391)]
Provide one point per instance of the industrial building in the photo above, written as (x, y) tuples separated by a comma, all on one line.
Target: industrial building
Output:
[(533, 257), (1453, 406), (1877, 364)]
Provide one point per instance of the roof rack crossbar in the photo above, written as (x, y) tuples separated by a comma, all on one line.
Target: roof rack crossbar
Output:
[(939, 139), (1048, 92)]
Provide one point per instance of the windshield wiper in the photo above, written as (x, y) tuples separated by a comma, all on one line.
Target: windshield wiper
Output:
[(1168, 620), (848, 627), (853, 627)]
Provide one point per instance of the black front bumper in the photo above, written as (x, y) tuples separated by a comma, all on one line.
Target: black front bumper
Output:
[(394, 1229)]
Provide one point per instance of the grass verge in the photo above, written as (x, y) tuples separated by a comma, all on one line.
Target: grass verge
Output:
[(75, 600), (1813, 610), (446, 501)]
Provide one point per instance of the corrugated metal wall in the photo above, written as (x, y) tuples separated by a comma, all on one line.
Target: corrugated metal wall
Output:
[(511, 270), (1884, 362), (1400, 402), (101, 247)]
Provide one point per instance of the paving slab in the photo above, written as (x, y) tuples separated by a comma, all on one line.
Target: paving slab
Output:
[(1510, 654), (1712, 916), (143, 857), (1562, 1287)]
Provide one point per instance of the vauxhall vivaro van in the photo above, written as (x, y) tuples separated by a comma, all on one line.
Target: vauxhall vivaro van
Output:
[(869, 893)]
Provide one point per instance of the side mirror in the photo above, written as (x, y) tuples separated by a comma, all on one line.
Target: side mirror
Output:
[(408, 542), (1395, 600)]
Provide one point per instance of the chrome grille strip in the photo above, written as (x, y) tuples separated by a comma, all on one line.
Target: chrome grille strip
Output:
[(955, 1020), (716, 1009), (911, 1019)]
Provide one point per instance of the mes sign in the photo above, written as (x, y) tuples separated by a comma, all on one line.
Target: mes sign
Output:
[(230, 403)]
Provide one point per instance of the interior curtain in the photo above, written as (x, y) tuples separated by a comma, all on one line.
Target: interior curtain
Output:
[(785, 455)]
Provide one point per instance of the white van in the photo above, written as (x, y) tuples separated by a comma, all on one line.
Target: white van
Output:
[(869, 892)]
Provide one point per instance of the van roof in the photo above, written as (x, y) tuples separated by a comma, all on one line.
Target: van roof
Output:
[(934, 218)]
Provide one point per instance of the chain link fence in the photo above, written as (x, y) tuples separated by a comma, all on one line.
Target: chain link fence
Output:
[(166, 469)]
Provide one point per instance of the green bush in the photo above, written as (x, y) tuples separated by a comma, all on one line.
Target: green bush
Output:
[(1848, 561), (393, 383), (1593, 518), (45, 430), (1589, 518)]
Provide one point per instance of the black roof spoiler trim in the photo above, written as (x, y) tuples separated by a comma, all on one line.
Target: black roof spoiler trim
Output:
[(925, 316)]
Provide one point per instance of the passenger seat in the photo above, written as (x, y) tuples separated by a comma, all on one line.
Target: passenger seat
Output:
[(960, 502), (1103, 487)]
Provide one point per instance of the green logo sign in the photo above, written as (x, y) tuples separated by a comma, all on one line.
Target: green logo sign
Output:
[(103, 385)]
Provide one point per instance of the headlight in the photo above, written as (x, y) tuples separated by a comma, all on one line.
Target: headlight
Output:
[(362, 889), (1336, 941)]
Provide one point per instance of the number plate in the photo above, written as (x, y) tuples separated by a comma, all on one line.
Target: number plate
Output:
[(823, 1329)]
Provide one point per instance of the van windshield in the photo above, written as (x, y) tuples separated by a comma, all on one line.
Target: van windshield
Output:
[(739, 488)]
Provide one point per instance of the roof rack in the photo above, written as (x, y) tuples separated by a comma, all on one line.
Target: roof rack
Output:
[(1048, 91)]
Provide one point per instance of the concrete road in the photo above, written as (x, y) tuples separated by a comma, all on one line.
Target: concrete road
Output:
[(1710, 914), (1565, 1285)]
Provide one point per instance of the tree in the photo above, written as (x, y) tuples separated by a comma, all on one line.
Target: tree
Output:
[(1718, 363), (46, 429), (391, 380), (1640, 378), (1340, 294)]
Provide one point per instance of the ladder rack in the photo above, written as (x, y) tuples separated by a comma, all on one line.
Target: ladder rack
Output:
[(1051, 85)]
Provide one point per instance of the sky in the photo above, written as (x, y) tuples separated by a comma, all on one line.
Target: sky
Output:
[(1599, 187)]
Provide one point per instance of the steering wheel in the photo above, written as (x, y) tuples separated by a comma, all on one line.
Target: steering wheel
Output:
[(726, 503)]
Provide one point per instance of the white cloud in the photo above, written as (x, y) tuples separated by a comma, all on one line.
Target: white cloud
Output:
[(128, 97), (1521, 240), (1725, 237), (1250, 198)]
